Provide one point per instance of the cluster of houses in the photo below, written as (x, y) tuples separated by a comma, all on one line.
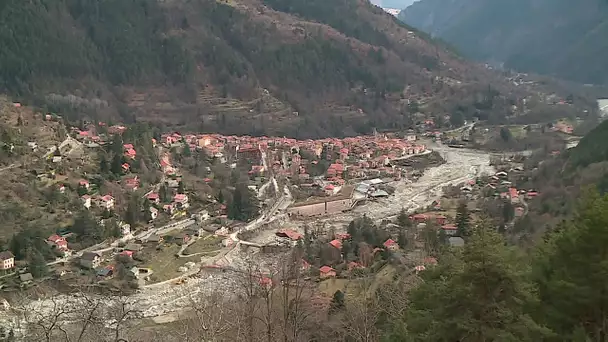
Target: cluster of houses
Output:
[(336, 245), (353, 157), (105, 202), (329, 272), (503, 188), (178, 202), (357, 156)]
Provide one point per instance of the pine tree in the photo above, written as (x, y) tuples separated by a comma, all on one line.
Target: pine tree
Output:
[(480, 295), (133, 214), (117, 145), (402, 240), (181, 188), (103, 164), (85, 226), (463, 219), (337, 300), (163, 193), (507, 212), (36, 264), (571, 271), (116, 167), (186, 151), (244, 205), (220, 196), (403, 219)]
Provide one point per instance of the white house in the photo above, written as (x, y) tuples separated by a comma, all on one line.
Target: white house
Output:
[(181, 200), (86, 201), (90, 260), (125, 229), (153, 213), (107, 202)]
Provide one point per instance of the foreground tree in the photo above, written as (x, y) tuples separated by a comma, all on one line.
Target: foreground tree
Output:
[(479, 294), (572, 273)]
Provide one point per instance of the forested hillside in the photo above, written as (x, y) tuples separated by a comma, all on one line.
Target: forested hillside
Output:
[(554, 37), (239, 66)]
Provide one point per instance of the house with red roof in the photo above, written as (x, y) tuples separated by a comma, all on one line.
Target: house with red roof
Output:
[(84, 183), (153, 197), (169, 208), (532, 194), (82, 135), (125, 167), (290, 234), (181, 201), (336, 243), (449, 229), (327, 272), (266, 282), (117, 129), (58, 242), (354, 265), (391, 245), (342, 236), (132, 183), (419, 218), (127, 253), (440, 219), (130, 153), (107, 202)]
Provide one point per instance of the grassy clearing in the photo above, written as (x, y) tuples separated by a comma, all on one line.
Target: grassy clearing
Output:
[(164, 263), (208, 244), (518, 132)]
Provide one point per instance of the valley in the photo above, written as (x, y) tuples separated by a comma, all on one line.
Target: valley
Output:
[(288, 170), (159, 300)]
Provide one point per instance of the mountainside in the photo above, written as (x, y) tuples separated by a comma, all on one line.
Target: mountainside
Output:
[(239, 66), (545, 36)]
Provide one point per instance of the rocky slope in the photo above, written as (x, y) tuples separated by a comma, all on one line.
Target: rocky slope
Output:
[(236, 66), (544, 36)]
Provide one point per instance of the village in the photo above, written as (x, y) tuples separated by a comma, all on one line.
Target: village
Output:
[(329, 176), (351, 205)]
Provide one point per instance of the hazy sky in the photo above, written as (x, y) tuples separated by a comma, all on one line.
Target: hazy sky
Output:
[(399, 4)]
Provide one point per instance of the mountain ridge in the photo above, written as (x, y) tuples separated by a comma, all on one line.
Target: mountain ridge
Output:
[(548, 37), (238, 67)]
